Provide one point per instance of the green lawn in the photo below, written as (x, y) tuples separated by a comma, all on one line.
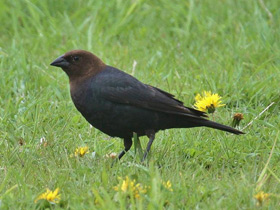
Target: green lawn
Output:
[(184, 47)]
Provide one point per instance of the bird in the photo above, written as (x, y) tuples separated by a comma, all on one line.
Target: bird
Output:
[(119, 105)]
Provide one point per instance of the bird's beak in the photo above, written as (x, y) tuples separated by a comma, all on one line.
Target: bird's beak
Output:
[(60, 62)]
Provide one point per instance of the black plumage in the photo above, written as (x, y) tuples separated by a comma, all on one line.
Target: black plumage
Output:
[(118, 104)]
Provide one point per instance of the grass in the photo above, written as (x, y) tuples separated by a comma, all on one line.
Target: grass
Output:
[(184, 47)]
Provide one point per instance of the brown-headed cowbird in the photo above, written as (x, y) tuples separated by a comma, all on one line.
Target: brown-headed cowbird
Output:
[(119, 104)]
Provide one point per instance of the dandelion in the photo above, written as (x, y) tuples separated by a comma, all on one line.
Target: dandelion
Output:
[(81, 151), (208, 102), (51, 196), (129, 186), (261, 197), (237, 117), (167, 185)]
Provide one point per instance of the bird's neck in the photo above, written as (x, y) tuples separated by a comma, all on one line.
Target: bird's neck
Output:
[(76, 83), (78, 89), (76, 79)]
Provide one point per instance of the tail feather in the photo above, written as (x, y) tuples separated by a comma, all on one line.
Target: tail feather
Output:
[(211, 124)]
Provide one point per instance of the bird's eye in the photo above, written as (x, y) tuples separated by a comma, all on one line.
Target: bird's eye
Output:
[(76, 58)]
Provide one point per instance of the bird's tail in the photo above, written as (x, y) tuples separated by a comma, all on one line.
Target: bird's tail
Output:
[(211, 124)]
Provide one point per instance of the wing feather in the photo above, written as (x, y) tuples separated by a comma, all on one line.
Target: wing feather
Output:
[(128, 90)]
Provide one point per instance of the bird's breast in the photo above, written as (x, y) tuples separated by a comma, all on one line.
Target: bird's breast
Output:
[(82, 98), (88, 102)]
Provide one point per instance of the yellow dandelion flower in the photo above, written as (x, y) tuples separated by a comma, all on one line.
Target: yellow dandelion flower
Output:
[(81, 151), (125, 184), (129, 186), (51, 196), (208, 102), (198, 97), (261, 197), (167, 185)]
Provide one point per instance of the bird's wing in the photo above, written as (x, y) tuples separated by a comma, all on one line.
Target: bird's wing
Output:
[(119, 87), (180, 103)]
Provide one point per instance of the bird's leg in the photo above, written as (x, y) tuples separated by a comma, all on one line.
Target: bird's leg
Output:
[(127, 146), (151, 134)]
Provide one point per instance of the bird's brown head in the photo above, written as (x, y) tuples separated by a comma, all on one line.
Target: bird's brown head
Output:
[(79, 64)]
